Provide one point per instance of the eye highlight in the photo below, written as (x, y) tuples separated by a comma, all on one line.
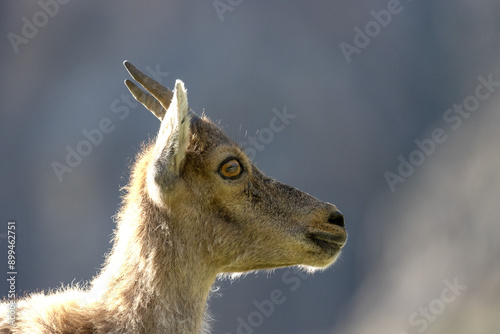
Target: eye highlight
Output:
[(230, 168)]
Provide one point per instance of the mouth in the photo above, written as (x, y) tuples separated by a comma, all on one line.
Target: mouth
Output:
[(329, 240)]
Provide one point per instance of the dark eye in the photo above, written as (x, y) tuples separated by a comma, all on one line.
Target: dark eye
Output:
[(230, 169)]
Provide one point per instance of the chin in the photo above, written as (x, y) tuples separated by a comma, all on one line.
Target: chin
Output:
[(321, 263)]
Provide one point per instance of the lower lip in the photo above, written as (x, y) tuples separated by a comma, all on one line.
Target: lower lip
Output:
[(328, 238), (326, 244)]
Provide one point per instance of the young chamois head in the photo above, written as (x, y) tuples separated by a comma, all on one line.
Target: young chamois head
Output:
[(215, 202)]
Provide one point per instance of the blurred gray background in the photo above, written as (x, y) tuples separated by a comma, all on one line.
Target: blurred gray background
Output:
[(423, 255)]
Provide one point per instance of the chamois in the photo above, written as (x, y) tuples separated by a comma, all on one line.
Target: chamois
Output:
[(195, 207)]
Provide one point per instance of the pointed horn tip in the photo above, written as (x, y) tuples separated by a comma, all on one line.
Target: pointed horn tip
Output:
[(130, 85), (129, 66)]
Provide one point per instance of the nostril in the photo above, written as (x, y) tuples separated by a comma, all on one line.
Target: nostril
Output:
[(336, 218)]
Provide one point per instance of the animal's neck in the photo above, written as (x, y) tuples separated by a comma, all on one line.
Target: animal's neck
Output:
[(152, 283)]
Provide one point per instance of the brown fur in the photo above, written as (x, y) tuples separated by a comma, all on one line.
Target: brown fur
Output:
[(180, 225)]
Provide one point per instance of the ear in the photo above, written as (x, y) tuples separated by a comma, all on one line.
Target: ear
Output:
[(173, 138), (171, 144)]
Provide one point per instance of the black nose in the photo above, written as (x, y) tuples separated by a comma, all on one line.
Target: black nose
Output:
[(336, 218)]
